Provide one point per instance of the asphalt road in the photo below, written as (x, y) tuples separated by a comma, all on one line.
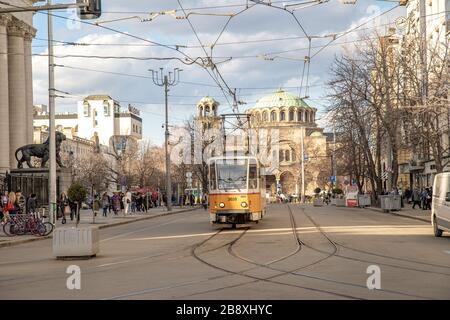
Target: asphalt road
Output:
[(295, 252)]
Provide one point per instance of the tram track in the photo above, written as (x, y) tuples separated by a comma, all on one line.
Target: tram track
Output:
[(337, 245), (295, 271), (299, 244)]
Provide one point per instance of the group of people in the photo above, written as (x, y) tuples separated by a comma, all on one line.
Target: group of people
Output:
[(129, 202), (12, 203), (422, 197)]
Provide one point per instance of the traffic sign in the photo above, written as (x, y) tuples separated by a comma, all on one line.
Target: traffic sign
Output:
[(333, 179), (188, 174)]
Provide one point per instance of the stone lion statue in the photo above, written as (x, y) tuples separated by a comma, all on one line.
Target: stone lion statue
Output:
[(41, 151)]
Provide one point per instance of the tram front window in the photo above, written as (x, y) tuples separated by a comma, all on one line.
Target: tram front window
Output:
[(232, 175)]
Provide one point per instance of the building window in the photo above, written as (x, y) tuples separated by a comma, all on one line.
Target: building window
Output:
[(273, 116), (265, 117), (86, 109), (291, 115), (106, 108), (293, 157), (282, 116), (307, 116), (287, 155), (281, 155), (299, 116)]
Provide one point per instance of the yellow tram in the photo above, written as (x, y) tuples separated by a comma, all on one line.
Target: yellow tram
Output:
[(236, 190)]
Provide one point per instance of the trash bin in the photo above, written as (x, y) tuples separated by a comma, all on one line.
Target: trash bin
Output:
[(387, 203), (364, 200), (396, 203)]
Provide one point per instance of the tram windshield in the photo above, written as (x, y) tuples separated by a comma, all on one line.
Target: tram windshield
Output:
[(232, 175)]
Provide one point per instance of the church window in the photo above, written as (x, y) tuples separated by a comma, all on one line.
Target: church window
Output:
[(273, 116), (291, 115)]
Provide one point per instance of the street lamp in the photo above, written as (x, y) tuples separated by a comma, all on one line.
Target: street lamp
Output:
[(165, 81)]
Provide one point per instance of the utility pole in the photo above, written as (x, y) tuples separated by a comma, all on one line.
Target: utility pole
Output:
[(88, 9), (303, 165), (165, 81), (51, 111)]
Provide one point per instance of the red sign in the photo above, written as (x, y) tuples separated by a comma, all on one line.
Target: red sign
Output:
[(352, 203)]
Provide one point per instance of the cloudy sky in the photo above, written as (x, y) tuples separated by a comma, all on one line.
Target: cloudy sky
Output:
[(261, 49)]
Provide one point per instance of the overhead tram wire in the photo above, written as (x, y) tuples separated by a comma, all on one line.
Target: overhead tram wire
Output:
[(110, 29), (213, 66), (198, 8), (355, 28), (184, 82), (338, 35)]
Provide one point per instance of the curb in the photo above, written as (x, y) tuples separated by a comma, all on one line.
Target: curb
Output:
[(17, 242), (399, 215)]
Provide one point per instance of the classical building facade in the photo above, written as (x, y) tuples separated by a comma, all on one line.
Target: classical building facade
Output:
[(16, 83), (295, 121), (98, 117)]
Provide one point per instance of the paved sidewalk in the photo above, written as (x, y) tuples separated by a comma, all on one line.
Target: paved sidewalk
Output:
[(409, 212), (101, 222)]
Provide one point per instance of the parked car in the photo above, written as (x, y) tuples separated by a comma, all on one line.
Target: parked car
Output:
[(440, 204)]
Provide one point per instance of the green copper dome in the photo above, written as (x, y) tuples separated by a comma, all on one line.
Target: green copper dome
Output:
[(281, 98)]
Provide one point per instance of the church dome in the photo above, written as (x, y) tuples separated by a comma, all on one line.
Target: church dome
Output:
[(281, 98), (282, 108)]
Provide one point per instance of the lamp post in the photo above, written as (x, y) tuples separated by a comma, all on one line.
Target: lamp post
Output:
[(172, 79), (51, 112)]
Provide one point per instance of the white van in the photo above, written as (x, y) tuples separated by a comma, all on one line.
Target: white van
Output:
[(440, 209)]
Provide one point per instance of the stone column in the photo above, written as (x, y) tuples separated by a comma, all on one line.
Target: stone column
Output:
[(29, 35), (4, 95), (17, 89)]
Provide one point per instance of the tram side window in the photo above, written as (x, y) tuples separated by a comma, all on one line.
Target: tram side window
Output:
[(212, 176), (253, 176)]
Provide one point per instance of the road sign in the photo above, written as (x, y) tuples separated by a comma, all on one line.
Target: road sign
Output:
[(188, 174), (333, 179), (306, 157)]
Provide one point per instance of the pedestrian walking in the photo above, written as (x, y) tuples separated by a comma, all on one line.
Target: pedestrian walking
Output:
[(105, 204), (96, 205), (116, 203), (63, 202), (9, 209), (205, 201), (127, 202), (32, 204), (423, 199), (415, 197)]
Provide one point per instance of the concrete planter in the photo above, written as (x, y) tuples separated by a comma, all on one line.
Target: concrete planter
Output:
[(364, 201), (318, 203), (333, 201), (390, 203), (81, 243), (340, 202)]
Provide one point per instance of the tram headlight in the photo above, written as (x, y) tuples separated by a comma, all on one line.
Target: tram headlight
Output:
[(244, 204), (222, 205)]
